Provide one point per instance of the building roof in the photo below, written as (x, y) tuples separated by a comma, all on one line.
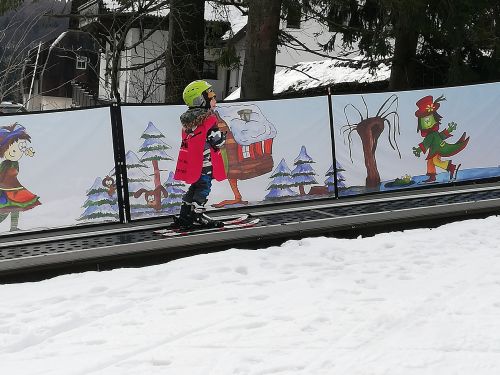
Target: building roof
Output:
[(311, 75)]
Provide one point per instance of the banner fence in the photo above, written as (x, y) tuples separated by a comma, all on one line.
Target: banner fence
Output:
[(116, 164)]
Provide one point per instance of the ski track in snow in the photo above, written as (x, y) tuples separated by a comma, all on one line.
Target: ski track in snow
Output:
[(415, 302)]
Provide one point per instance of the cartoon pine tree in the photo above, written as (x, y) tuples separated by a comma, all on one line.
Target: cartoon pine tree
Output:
[(154, 150), (330, 181), (100, 205), (303, 173), (136, 181), (340, 177), (175, 193), (281, 184)]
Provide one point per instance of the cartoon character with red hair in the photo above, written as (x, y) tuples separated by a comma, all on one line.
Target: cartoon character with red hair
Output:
[(14, 197), (428, 122)]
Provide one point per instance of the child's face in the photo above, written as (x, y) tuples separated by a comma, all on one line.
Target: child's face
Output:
[(212, 97), (15, 151)]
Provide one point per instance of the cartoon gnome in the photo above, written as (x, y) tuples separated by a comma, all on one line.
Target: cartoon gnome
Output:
[(428, 122)]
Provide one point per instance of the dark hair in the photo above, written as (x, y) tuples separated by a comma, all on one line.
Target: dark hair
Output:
[(10, 128)]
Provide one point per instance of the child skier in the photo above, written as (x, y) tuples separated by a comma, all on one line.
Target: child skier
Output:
[(200, 158)]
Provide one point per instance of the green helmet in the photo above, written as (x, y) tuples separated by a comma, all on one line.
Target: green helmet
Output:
[(193, 93)]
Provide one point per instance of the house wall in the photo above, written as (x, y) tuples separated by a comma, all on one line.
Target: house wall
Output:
[(219, 84), (138, 86), (234, 81), (147, 85), (57, 69), (310, 33), (46, 103), (55, 102)]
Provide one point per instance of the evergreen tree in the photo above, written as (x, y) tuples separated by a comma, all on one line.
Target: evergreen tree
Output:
[(340, 178), (428, 42), (175, 190), (280, 186), (303, 173), (137, 180), (330, 181), (154, 150), (100, 206)]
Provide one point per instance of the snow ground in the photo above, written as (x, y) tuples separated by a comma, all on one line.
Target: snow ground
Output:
[(423, 301)]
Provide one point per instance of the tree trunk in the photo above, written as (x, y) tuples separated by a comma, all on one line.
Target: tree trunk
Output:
[(369, 131), (185, 49), (116, 51), (257, 79), (156, 172), (405, 50)]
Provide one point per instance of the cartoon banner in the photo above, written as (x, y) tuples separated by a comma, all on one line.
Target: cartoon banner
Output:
[(276, 151), (52, 170), (389, 141)]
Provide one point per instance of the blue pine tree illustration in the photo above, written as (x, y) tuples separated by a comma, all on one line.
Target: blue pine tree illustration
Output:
[(101, 204), (175, 190), (303, 173), (280, 186)]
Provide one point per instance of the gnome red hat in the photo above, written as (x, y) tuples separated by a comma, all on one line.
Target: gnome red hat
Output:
[(427, 105)]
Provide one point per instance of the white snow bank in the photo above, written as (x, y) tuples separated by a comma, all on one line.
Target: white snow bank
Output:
[(416, 302)]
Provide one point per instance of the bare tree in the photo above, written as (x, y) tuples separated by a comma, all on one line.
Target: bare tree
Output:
[(14, 47), (132, 37)]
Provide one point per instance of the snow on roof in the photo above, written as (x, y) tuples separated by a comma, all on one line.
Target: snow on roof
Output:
[(58, 39), (309, 75), (247, 123)]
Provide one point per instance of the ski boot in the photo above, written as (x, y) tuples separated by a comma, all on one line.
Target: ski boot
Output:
[(185, 219), (203, 220)]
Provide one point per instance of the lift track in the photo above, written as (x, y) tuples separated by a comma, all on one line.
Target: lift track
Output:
[(56, 249)]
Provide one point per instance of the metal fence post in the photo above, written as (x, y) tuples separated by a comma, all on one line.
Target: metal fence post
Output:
[(332, 135), (120, 163)]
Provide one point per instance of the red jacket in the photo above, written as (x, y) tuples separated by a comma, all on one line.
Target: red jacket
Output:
[(190, 160)]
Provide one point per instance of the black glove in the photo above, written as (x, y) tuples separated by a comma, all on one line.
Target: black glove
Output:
[(216, 138)]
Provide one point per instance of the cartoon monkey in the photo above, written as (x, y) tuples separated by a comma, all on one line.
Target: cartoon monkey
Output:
[(109, 183), (152, 197)]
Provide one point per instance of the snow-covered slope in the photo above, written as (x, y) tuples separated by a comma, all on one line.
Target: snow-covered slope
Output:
[(417, 302)]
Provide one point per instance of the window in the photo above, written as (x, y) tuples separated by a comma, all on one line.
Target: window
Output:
[(245, 151), (209, 69), (81, 62), (293, 16)]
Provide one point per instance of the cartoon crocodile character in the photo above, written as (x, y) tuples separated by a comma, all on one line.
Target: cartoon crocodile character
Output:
[(434, 142)]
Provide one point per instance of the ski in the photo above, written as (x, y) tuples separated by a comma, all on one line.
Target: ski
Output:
[(185, 232), (235, 225), (230, 220)]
